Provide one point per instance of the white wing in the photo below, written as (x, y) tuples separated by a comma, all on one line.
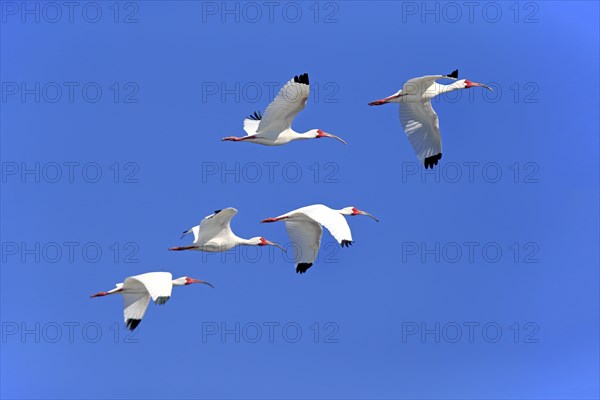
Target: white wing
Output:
[(420, 85), (420, 123), (134, 308), (281, 112), (305, 235), (214, 224), (335, 222), (157, 284)]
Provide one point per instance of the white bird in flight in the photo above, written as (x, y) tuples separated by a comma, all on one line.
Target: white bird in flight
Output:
[(418, 119), (137, 291), (214, 234), (274, 128), (304, 229)]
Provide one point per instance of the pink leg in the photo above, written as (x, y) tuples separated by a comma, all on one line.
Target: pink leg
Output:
[(182, 248), (237, 139), (272, 219), (378, 102), (384, 101)]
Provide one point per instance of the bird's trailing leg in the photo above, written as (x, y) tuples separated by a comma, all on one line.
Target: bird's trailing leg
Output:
[(273, 219), (236, 139), (385, 101), (180, 248), (100, 294), (378, 102)]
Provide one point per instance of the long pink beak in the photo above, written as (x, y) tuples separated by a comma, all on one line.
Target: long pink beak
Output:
[(323, 134), (192, 280), (368, 215), (276, 245), (481, 85)]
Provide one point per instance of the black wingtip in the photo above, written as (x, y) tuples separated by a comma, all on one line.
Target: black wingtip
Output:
[(303, 267), (131, 323), (454, 74), (302, 79), (346, 243), (257, 116), (217, 211), (433, 160), (161, 300)]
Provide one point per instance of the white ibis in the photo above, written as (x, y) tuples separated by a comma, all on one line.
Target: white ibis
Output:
[(418, 119), (214, 234), (274, 128), (304, 229), (137, 291)]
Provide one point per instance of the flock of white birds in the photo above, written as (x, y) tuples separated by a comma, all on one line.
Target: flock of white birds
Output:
[(304, 225)]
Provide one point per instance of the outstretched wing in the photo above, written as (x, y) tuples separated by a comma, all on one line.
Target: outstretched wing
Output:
[(134, 308), (305, 235), (420, 85), (335, 222), (420, 123), (213, 224), (157, 284), (281, 112)]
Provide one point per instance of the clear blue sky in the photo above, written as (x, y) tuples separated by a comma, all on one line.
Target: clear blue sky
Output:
[(479, 282)]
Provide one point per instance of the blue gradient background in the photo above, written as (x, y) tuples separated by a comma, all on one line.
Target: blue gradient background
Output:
[(171, 54)]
